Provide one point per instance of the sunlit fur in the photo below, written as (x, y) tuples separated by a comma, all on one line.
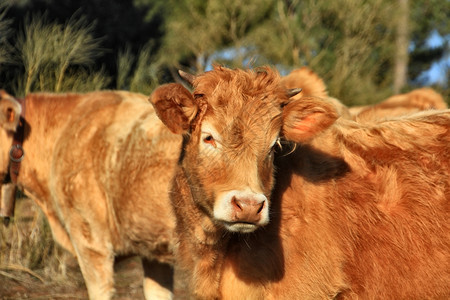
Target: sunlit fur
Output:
[(402, 104), (312, 85), (305, 78), (397, 105), (357, 211), (99, 165)]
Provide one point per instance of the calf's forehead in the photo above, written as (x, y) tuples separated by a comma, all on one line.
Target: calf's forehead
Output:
[(251, 125), (241, 100), (248, 82)]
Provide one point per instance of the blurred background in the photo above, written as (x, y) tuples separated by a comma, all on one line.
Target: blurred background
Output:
[(365, 51)]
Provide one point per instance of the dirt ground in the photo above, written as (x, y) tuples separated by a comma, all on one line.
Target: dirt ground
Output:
[(18, 284)]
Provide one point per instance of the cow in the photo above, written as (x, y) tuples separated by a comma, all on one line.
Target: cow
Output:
[(277, 198), (416, 100), (99, 165), (396, 105)]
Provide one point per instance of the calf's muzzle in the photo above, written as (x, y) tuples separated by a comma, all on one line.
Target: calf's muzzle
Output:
[(247, 210)]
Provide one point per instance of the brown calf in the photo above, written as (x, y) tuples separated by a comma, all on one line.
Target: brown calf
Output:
[(343, 211), (98, 165)]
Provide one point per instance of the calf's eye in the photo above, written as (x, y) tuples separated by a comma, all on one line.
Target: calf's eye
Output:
[(210, 140), (275, 145)]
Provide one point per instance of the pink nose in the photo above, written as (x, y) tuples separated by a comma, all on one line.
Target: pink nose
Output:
[(247, 210)]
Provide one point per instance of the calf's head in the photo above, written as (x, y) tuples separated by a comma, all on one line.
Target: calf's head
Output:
[(232, 122)]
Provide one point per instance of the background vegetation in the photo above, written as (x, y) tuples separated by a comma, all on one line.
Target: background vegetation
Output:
[(365, 51)]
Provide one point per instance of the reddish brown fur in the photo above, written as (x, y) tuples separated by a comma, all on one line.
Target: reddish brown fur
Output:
[(394, 106), (357, 210), (312, 85), (305, 78), (99, 164)]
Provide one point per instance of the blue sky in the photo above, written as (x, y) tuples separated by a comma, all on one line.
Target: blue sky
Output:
[(438, 71)]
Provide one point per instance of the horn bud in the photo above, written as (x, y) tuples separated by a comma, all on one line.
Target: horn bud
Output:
[(293, 92), (189, 78)]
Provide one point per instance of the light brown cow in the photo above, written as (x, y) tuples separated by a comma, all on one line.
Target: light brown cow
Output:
[(398, 105), (349, 211), (99, 165)]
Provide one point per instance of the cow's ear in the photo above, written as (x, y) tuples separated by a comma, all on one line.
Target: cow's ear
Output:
[(175, 106), (303, 119), (10, 111)]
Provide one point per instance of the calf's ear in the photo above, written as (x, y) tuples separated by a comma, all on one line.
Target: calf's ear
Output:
[(303, 119), (175, 106), (10, 111)]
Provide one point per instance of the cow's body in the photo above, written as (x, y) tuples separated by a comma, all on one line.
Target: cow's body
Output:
[(356, 210), (398, 105), (98, 164), (360, 211)]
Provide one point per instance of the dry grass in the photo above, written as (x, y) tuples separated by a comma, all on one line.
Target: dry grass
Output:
[(26, 245), (58, 57)]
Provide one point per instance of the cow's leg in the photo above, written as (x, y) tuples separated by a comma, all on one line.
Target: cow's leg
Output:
[(60, 234), (97, 267), (181, 289), (158, 280), (95, 256)]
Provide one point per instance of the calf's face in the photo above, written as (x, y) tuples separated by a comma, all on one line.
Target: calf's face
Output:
[(233, 121), (230, 157)]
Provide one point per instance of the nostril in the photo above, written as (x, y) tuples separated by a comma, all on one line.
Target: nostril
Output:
[(247, 206), (242, 207), (235, 203), (260, 207)]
